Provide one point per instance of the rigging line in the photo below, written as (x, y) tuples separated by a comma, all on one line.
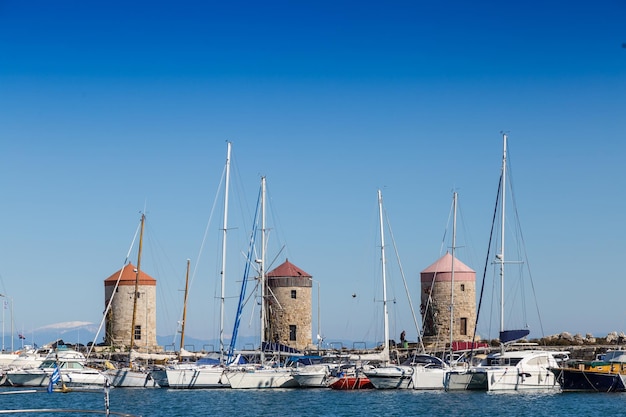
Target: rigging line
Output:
[(204, 238), (206, 230), (530, 277), (519, 236), (251, 249), (161, 264), (273, 261), (482, 287), (117, 283), (406, 287)]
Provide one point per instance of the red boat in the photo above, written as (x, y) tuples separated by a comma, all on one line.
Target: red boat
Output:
[(350, 380)]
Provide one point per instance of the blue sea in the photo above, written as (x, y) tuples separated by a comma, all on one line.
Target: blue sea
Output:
[(320, 402)]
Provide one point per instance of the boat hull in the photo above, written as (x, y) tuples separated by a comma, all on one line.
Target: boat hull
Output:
[(312, 376), (466, 380), (577, 380), (347, 383), (127, 378), (196, 377), (390, 377), (261, 379), (506, 378), (426, 378), (70, 379)]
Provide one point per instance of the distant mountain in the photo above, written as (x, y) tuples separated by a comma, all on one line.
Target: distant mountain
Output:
[(84, 332), (70, 332)]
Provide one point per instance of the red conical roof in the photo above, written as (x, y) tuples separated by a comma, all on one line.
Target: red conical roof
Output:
[(287, 269), (442, 268), (128, 276)]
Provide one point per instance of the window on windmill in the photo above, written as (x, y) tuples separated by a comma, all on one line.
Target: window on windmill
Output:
[(293, 293), (137, 332), (292, 332), (463, 329), (462, 287)]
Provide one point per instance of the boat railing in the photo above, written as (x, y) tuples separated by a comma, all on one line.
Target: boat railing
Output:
[(336, 345), (359, 346)]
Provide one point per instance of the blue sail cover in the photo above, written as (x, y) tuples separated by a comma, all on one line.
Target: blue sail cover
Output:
[(507, 336)]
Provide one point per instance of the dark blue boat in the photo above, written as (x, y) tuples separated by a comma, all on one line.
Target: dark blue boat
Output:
[(604, 375)]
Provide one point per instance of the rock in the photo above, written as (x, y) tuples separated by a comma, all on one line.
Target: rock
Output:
[(612, 337)]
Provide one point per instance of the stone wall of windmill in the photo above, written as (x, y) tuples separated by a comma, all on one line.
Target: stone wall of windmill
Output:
[(118, 321), (289, 309), (436, 299)]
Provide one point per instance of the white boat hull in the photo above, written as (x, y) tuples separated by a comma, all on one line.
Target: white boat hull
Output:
[(501, 379), (312, 376), (196, 377), (127, 378), (261, 378), (425, 378), (37, 378), (390, 377)]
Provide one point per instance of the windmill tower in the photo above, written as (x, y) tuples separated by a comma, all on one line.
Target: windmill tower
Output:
[(119, 318), (436, 298), (289, 306)]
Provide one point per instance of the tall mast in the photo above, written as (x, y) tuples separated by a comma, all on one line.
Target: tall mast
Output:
[(501, 255), (135, 295), (182, 327), (382, 256), (262, 271), (223, 271), (454, 203)]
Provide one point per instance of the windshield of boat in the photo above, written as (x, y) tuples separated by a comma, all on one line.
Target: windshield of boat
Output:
[(503, 361)]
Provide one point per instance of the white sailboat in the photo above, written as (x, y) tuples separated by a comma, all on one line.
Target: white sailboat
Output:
[(262, 375), (506, 370), (387, 375), (205, 373), (429, 372), (420, 371)]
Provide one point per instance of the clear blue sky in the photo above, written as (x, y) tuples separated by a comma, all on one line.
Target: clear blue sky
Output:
[(107, 108)]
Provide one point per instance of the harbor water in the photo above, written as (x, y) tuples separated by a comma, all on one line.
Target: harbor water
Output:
[(320, 402)]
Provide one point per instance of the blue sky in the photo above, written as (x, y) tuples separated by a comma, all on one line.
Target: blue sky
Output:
[(108, 108)]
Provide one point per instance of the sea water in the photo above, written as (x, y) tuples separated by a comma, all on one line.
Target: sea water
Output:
[(320, 402)]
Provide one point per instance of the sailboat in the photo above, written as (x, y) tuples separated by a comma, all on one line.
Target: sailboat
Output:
[(420, 371), (507, 369), (386, 375), (204, 373), (264, 374), (133, 376), (429, 372)]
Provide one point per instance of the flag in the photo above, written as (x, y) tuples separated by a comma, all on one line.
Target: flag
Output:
[(54, 378)]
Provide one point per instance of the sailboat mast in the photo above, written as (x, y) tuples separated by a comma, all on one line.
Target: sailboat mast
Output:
[(501, 255), (454, 203), (182, 327), (223, 271), (135, 295), (383, 261), (262, 271)]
